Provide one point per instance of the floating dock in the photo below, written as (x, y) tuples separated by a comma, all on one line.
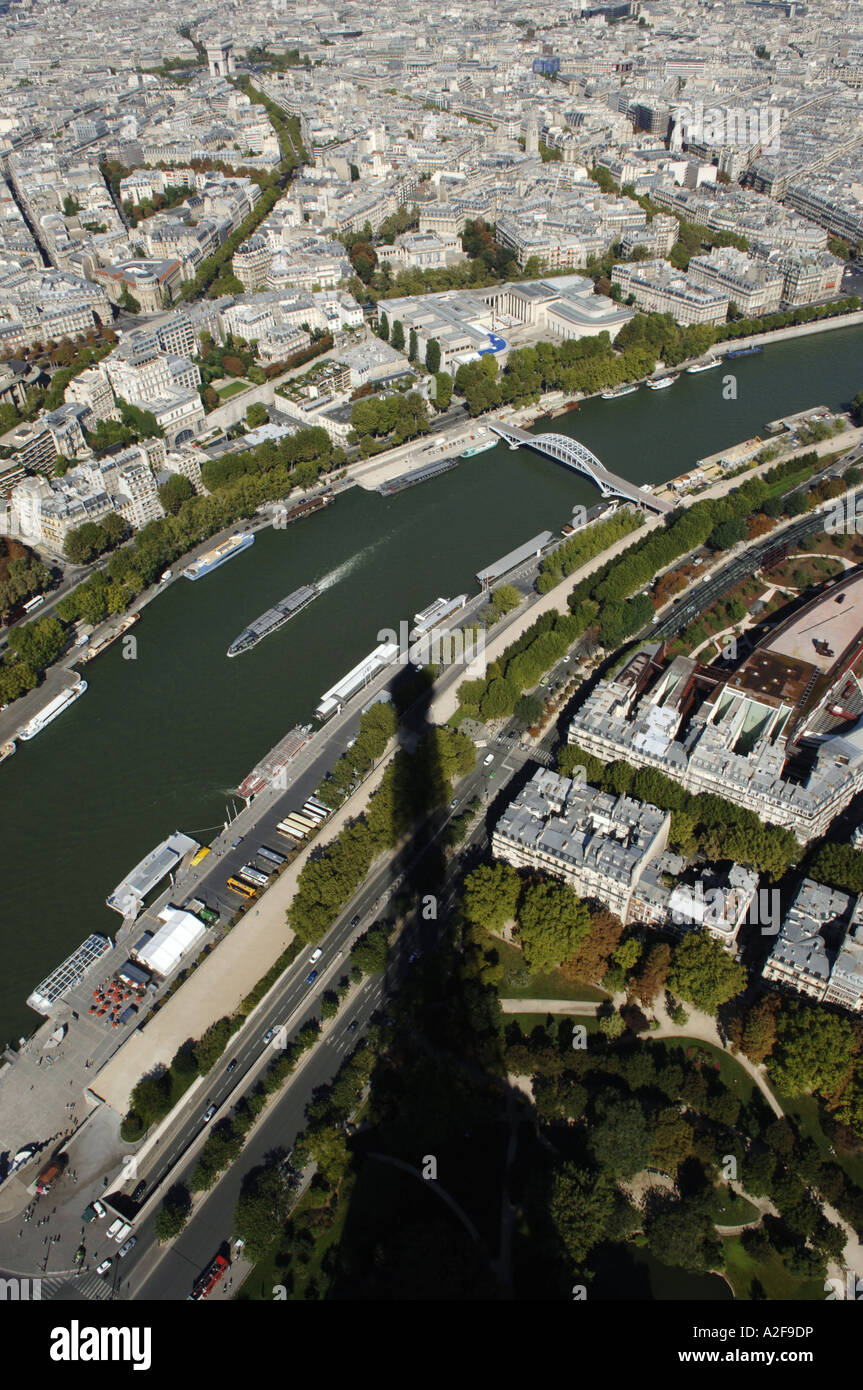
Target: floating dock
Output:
[(69, 974), (531, 549), (419, 475), (436, 613), (338, 695), (128, 897)]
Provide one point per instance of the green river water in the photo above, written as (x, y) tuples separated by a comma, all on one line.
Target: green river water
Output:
[(157, 743)]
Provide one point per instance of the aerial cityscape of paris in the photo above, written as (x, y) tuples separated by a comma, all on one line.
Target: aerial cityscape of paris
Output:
[(454, 892)]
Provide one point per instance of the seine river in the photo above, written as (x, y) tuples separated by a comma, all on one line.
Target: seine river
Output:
[(157, 743)]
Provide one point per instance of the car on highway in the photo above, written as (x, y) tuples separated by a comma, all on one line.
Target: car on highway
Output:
[(208, 1114), (311, 977), (316, 955), (238, 841), (269, 1035), (355, 920), (138, 1190), (414, 955), (352, 1027), (230, 1067), (124, 1249), (104, 1266)]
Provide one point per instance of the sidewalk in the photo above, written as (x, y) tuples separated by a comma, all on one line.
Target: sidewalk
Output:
[(220, 983), (581, 1008)]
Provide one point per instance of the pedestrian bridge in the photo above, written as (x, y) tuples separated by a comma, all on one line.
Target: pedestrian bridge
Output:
[(574, 455)]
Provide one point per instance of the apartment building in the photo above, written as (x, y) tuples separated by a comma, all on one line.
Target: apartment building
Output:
[(598, 843), (772, 736), (755, 287), (92, 389), (808, 277), (251, 262), (819, 949), (658, 287)]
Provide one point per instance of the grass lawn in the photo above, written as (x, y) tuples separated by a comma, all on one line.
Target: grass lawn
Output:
[(804, 1111), (778, 487), (544, 984), (730, 1070), (233, 389), (730, 1209), (270, 1271), (777, 1281), (801, 573)]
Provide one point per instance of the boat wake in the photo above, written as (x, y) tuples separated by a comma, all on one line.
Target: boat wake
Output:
[(348, 567)]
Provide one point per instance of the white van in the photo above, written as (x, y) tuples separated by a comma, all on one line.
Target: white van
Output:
[(489, 758), (124, 1230), (114, 1227)]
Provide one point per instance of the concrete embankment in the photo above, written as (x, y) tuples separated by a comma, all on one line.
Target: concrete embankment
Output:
[(220, 983)]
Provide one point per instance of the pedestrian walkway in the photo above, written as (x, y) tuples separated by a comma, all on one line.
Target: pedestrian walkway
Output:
[(89, 1285), (582, 1008)]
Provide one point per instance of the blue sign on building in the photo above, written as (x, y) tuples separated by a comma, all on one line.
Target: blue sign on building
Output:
[(547, 66)]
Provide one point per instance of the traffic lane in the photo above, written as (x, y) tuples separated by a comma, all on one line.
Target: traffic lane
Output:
[(730, 574), (175, 1272), (338, 1041), (286, 1009), (293, 996)]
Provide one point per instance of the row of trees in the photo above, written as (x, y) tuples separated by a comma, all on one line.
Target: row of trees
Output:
[(157, 1093), (22, 575), (239, 484), (94, 538), (700, 822), (588, 365), (414, 783), (377, 726), (398, 417)]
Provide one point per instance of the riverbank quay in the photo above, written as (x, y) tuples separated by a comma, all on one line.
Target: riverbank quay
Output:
[(219, 984), (445, 702)]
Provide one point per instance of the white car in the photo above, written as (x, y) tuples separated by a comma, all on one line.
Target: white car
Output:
[(316, 955), (104, 1266), (99, 1210)]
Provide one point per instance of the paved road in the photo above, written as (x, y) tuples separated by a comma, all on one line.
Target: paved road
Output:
[(739, 567)]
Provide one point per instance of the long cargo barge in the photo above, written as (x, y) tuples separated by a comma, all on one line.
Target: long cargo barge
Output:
[(273, 619), (275, 761), (56, 706), (90, 652), (212, 559), (420, 475)]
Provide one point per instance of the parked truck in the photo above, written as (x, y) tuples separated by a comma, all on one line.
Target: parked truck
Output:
[(50, 1173)]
